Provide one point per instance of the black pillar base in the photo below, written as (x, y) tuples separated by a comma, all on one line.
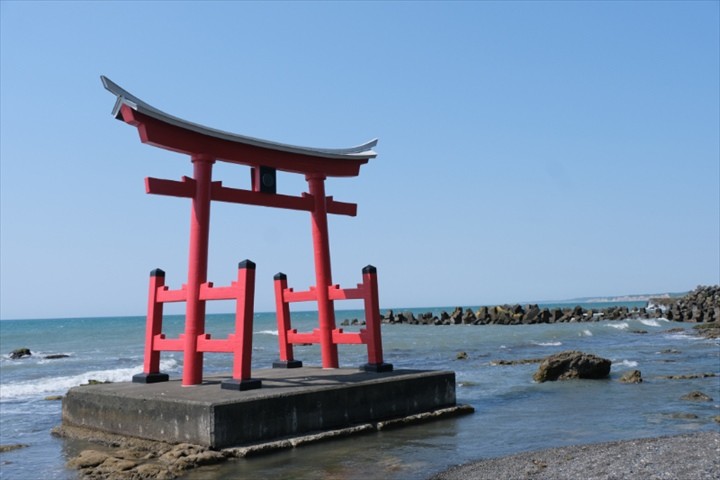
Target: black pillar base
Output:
[(287, 364), (150, 377), (377, 367), (241, 385)]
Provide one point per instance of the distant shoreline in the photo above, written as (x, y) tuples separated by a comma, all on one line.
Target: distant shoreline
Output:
[(644, 297)]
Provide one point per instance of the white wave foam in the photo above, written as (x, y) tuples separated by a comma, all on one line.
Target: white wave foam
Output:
[(268, 332), (548, 344), (619, 326), (51, 385), (652, 322), (683, 336), (627, 363), (586, 333)]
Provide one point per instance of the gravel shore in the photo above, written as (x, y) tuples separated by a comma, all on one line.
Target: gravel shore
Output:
[(693, 456)]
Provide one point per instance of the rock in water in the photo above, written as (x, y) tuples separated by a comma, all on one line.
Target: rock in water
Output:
[(572, 364), (631, 376), (10, 448), (20, 353), (697, 396)]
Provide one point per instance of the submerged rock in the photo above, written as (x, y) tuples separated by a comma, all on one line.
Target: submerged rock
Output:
[(688, 376), (523, 361), (697, 396), (10, 448), (572, 364), (55, 356), (683, 416)]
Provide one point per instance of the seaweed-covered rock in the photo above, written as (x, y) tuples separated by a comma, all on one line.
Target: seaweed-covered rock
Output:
[(20, 353), (709, 330), (631, 376)]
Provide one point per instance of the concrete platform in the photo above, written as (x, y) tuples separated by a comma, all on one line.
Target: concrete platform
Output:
[(291, 402)]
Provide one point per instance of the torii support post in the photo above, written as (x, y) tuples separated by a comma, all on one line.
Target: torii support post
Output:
[(153, 327), (323, 275), (287, 359), (241, 341), (372, 323), (197, 269)]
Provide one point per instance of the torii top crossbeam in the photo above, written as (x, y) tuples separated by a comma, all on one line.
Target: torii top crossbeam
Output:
[(166, 131)]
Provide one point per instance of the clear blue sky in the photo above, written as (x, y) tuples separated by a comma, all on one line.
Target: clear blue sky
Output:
[(528, 150)]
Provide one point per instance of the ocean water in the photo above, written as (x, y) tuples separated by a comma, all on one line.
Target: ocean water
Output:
[(512, 414)]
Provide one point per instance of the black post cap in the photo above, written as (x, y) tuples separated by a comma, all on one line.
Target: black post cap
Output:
[(287, 364), (280, 276), (157, 273), (150, 377), (249, 264), (241, 385), (377, 367), (369, 269)]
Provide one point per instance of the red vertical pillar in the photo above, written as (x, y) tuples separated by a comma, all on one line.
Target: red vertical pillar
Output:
[(244, 310), (282, 309), (151, 370), (323, 276), (372, 321), (244, 318), (197, 269)]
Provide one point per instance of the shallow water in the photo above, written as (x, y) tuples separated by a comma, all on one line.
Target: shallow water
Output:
[(512, 413)]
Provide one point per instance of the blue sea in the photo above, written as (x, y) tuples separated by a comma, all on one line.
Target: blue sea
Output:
[(512, 413)]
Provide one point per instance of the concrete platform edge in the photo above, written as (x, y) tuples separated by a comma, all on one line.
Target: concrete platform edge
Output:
[(261, 448), (305, 401)]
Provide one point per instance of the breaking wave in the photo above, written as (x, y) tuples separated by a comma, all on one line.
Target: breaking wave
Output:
[(59, 385), (267, 332), (627, 363), (652, 322), (619, 326)]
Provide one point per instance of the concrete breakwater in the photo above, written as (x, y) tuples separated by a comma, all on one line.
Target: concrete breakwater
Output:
[(699, 306)]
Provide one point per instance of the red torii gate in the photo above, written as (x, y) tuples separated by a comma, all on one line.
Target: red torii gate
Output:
[(205, 146)]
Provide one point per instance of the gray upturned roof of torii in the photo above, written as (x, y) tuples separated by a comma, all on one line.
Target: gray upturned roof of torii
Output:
[(364, 151)]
